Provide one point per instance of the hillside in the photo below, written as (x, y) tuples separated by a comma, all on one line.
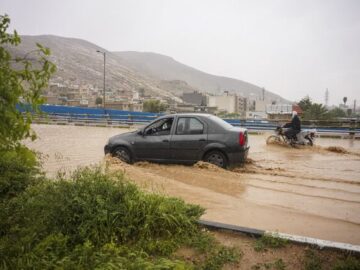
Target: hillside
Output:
[(78, 63), (166, 68)]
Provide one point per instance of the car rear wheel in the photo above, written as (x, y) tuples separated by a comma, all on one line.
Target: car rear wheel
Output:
[(217, 158), (123, 154)]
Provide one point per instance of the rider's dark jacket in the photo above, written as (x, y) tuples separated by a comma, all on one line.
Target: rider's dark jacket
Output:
[(294, 124)]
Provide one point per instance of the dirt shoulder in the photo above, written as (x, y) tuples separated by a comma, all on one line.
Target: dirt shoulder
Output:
[(290, 256)]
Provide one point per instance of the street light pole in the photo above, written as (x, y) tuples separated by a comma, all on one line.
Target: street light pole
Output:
[(104, 54)]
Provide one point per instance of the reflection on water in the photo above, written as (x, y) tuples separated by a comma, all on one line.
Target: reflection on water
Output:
[(306, 191)]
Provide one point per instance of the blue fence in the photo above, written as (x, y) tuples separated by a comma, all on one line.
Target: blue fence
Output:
[(145, 117), (94, 113)]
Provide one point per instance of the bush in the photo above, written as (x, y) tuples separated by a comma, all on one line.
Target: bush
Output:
[(96, 220), (18, 169), (269, 241)]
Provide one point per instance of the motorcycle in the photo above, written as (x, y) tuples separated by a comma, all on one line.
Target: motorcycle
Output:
[(304, 137)]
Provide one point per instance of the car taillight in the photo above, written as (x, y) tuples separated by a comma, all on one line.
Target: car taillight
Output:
[(241, 139)]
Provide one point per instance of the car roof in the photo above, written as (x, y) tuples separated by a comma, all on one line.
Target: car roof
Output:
[(186, 114)]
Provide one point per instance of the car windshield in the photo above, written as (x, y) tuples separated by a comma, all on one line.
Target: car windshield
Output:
[(220, 122)]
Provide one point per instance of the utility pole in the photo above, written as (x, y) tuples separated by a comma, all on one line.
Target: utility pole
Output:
[(104, 54), (263, 93), (354, 111), (326, 97)]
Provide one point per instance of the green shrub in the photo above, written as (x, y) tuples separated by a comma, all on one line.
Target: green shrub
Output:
[(277, 265), (96, 220), (18, 169), (269, 241), (220, 256)]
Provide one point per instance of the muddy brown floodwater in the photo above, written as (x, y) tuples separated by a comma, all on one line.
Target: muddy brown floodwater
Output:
[(312, 192)]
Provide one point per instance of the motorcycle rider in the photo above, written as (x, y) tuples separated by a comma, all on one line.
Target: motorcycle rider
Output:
[(294, 127)]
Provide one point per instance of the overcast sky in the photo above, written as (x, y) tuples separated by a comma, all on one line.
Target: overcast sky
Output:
[(293, 48)]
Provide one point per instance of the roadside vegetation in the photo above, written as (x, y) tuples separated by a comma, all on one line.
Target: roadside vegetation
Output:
[(314, 260), (97, 220), (269, 241), (278, 264)]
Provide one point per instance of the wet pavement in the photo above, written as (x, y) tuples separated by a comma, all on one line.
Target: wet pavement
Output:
[(308, 191)]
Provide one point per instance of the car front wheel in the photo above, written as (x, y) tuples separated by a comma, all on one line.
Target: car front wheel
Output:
[(217, 158), (123, 154)]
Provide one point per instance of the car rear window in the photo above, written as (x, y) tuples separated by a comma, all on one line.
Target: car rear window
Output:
[(189, 125), (220, 122)]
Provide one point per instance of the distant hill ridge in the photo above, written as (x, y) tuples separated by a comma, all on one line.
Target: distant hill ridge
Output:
[(166, 68), (160, 75)]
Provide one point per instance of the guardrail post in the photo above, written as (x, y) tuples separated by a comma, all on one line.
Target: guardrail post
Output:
[(108, 119), (130, 118), (352, 128)]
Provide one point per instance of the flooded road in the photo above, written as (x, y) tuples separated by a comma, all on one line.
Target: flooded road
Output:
[(307, 191)]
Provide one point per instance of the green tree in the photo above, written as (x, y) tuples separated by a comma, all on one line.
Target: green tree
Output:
[(98, 101), (21, 83), (154, 106), (313, 111), (345, 100), (316, 111), (336, 112), (305, 103)]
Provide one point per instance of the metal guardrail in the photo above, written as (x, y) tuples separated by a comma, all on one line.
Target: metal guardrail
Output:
[(120, 120), (91, 120)]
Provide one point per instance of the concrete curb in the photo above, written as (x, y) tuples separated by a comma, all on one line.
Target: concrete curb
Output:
[(293, 238)]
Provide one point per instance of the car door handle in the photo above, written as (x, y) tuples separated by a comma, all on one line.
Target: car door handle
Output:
[(165, 140), (202, 140)]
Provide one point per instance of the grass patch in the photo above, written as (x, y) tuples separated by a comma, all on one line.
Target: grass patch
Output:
[(276, 265), (350, 263), (220, 256), (312, 261), (269, 241)]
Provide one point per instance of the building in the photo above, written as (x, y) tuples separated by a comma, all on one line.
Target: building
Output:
[(124, 106), (195, 98), (54, 100), (255, 115), (242, 106), (260, 105), (282, 111), (184, 108), (230, 103), (225, 103)]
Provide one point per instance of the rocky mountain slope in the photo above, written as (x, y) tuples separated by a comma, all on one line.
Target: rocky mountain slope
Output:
[(166, 68), (79, 64)]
